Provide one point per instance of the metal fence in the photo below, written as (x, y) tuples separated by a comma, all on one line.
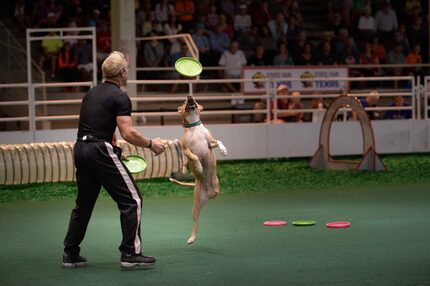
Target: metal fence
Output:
[(414, 95)]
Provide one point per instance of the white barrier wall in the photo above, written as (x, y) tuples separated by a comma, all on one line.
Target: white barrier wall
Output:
[(259, 141)]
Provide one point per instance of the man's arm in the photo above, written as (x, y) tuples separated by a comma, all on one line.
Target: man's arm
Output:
[(132, 136)]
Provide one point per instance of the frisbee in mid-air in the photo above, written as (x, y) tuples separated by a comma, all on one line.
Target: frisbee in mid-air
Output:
[(275, 223), (135, 164), (338, 224), (303, 222), (188, 67)]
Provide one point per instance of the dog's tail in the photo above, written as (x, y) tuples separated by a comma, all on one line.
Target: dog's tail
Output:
[(182, 183)]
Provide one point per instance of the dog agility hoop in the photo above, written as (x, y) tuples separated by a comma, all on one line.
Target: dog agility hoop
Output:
[(322, 158)]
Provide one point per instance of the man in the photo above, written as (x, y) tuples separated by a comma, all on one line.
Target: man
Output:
[(98, 163), (232, 59), (398, 101), (370, 101)]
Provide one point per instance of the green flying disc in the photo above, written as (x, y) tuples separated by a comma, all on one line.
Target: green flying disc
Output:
[(303, 222), (135, 164), (189, 67)]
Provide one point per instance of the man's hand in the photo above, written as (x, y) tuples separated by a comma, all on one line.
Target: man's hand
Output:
[(157, 146)]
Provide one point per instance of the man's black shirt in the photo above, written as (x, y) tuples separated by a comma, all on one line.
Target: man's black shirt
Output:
[(100, 107)]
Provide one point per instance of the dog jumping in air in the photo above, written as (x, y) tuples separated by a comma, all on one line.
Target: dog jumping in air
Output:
[(198, 144)]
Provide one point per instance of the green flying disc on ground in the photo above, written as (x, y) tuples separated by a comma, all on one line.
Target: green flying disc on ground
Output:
[(135, 164), (303, 222), (188, 67)]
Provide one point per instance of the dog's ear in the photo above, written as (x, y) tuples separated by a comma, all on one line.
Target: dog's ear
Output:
[(200, 107)]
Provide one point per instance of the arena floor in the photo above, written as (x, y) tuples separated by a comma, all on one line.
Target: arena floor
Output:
[(387, 244)]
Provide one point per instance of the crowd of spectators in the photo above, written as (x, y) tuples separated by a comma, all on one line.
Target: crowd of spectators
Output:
[(263, 33)]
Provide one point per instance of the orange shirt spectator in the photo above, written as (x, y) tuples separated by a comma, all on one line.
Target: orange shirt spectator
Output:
[(185, 10), (414, 56)]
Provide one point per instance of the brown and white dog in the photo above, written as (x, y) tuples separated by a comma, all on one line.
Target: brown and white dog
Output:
[(198, 144)]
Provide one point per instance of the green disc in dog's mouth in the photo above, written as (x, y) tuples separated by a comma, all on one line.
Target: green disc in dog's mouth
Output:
[(188, 67), (135, 164)]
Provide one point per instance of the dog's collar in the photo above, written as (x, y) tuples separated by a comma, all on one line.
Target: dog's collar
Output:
[(194, 124)]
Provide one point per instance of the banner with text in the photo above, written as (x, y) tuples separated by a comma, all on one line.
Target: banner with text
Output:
[(280, 75)]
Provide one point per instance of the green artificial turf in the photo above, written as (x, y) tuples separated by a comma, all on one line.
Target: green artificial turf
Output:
[(387, 243), (256, 176)]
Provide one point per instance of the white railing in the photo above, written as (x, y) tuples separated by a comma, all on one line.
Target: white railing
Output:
[(426, 96), (266, 96), (87, 33)]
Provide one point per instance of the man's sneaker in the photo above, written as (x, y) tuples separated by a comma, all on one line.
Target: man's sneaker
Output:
[(136, 260), (72, 261)]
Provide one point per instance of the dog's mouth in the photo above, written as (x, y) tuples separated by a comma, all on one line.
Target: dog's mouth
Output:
[(191, 104)]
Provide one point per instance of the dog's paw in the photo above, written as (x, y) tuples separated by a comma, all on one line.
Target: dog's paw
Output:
[(191, 239), (223, 151)]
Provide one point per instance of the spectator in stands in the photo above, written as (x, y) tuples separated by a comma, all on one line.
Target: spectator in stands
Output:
[(398, 101), (386, 22), (242, 21), (366, 24), (227, 8), (401, 39), (268, 41), (22, 14), (278, 27), (147, 24), (318, 103), (283, 58), (51, 48), (259, 58), (153, 52), (336, 24), (72, 24), (396, 56), (350, 55), (185, 10), (294, 29), (370, 101), (95, 18), (414, 58), (226, 27), (163, 10), (307, 58), (410, 5), (172, 27), (84, 59), (249, 41), (104, 41), (282, 89), (378, 49), (327, 58), (203, 45), (340, 44), (212, 19), (416, 12), (297, 47), (54, 9), (219, 42), (367, 57), (417, 32), (67, 64), (262, 15), (295, 12), (233, 60), (48, 22), (289, 109)]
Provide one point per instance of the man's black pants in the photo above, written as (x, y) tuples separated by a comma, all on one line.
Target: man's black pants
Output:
[(98, 164)]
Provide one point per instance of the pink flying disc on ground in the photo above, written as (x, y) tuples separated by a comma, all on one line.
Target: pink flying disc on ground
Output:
[(338, 224), (275, 223)]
